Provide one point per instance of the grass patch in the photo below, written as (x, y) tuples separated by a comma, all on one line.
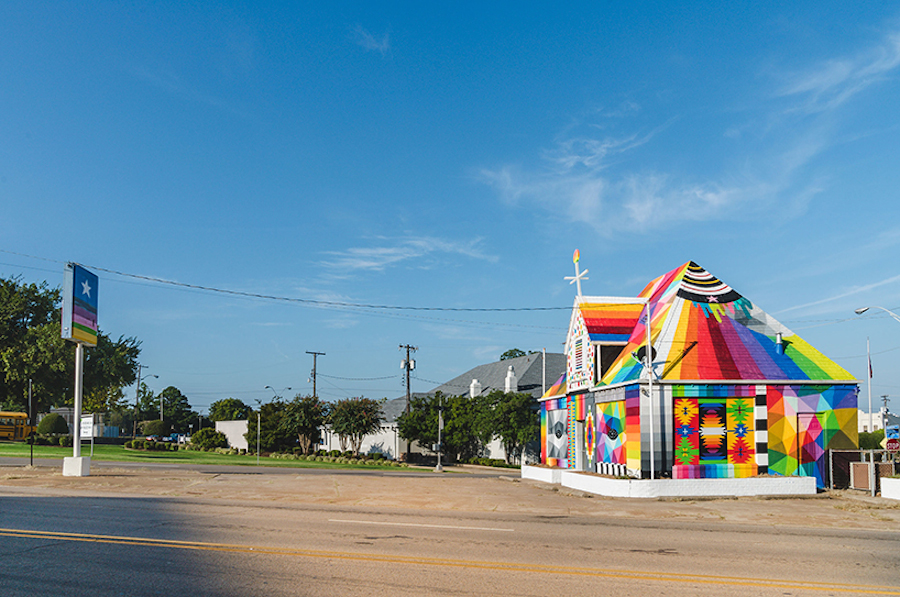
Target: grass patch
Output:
[(120, 454)]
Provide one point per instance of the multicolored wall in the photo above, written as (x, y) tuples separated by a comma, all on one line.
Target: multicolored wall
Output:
[(804, 422), (718, 432), (703, 431), (612, 431)]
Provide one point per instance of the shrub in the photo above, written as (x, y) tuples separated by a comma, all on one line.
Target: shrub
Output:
[(155, 427), (208, 438), (65, 441), (377, 456), (53, 424)]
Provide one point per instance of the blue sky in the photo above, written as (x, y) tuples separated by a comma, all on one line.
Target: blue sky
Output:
[(455, 156)]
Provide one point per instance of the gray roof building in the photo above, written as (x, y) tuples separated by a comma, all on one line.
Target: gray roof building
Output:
[(528, 378)]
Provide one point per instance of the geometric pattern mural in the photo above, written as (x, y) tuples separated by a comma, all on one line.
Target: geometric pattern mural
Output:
[(715, 431), (611, 432), (579, 355), (558, 437), (721, 359), (702, 329), (804, 422)]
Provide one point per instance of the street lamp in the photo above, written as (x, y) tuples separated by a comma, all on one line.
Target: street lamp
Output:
[(862, 310), (137, 395), (277, 395), (440, 448), (896, 317)]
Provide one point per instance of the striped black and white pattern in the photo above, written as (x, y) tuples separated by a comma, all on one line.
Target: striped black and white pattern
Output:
[(761, 416), (615, 470)]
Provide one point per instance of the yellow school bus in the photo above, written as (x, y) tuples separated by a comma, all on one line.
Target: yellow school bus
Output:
[(14, 426)]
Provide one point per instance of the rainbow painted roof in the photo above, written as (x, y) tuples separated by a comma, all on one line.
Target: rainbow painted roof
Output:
[(703, 330), (557, 389), (610, 322)]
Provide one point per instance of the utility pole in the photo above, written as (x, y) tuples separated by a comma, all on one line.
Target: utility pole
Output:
[(30, 423), (314, 354), (884, 402), (408, 365), (137, 396)]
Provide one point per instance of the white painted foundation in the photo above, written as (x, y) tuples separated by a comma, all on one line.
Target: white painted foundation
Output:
[(890, 488), (646, 488), (77, 466)]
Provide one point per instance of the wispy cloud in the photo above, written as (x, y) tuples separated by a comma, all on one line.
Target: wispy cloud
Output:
[(634, 201), (173, 84), (833, 82), (390, 252), (589, 178), (369, 42), (844, 294)]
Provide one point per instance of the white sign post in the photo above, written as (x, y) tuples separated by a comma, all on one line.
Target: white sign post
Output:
[(87, 430), (79, 325)]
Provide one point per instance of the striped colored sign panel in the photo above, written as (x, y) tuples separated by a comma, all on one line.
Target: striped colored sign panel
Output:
[(79, 316)]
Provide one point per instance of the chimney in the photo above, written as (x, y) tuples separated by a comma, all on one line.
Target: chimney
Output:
[(779, 343), (512, 384), (474, 389)]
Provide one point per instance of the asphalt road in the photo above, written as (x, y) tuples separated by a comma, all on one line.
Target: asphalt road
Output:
[(56, 539)]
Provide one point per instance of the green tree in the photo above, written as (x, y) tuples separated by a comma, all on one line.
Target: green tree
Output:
[(31, 348), (177, 410), (229, 409), (355, 418), (53, 424), (466, 424), (108, 368), (121, 416), (420, 424), (515, 421), (304, 417), (148, 403), (155, 427), (273, 436), (512, 353), (871, 440), (208, 439)]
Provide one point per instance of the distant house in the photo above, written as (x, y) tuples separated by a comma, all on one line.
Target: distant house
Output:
[(234, 432), (530, 374), (881, 419), (729, 391)]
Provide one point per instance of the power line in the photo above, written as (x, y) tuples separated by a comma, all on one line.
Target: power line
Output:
[(294, 299), (358, 378)]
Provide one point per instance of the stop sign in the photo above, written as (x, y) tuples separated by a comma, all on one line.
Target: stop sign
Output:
[(892, 445)]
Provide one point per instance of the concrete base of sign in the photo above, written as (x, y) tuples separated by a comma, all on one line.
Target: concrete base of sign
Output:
[(890, 488), (646, 488), (77, 466)]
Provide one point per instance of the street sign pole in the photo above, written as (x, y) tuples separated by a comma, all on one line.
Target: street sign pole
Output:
[(30, 424), (79, 325)]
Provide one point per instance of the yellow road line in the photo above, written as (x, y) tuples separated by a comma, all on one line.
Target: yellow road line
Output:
[(734, 581)]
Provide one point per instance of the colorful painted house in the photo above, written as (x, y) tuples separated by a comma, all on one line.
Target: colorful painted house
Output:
[(733, 392)]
